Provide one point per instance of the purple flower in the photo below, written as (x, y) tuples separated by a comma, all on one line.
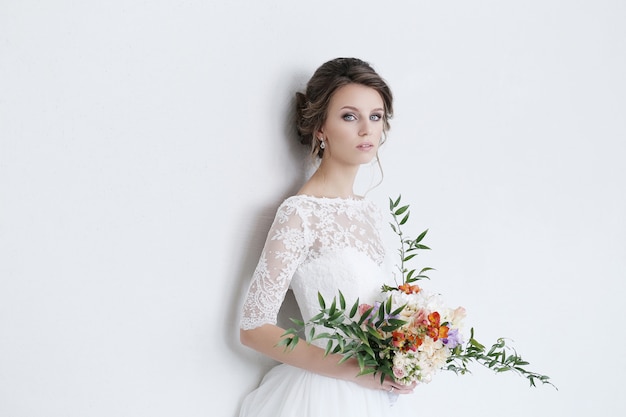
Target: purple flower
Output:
[(453, 340)]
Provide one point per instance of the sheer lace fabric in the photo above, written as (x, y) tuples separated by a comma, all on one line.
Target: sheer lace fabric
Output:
[(316, 244)]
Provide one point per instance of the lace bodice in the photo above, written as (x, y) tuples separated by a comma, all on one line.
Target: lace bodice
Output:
[(316, 244)]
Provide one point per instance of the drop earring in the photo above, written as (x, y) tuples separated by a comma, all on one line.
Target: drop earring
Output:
[(322, 144)]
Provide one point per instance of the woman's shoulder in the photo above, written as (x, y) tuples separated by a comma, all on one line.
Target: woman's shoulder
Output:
[(296, 204)]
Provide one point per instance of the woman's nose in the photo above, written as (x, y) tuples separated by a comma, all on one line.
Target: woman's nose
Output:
[(365, 128)]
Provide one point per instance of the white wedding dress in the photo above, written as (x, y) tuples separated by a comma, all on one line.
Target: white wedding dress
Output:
[(316, 245)]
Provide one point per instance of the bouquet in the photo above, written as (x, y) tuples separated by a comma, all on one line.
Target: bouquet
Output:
[(409, 334)]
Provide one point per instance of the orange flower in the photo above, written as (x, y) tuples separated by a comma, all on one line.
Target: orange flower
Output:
[(435, 331), (443, 332), (398, 339), (415, 342), (434, 318), (409, 289), (405, 341)]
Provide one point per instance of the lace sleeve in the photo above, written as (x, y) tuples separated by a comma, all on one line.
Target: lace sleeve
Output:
[(284, 250)]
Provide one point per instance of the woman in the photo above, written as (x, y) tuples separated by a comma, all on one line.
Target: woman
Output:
[(323, 239)]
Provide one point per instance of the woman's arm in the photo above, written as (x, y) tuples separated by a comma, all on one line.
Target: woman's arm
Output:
[(265, 339)]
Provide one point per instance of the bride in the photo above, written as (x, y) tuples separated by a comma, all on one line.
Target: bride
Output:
[(323, 239)]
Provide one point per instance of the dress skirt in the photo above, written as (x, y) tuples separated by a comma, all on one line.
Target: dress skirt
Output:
[(286, 391)]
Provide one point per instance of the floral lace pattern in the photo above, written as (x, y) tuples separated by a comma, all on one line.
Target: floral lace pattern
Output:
[(317, 240)]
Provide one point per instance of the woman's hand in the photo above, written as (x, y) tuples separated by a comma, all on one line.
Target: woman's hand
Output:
[(398, 388), (373, 382)]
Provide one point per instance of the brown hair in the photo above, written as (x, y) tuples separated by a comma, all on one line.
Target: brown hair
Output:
[(312, 105)]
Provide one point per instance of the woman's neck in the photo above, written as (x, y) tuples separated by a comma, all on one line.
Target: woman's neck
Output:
[(331, 181)]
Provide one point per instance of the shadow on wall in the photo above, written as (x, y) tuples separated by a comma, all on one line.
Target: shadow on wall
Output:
[(253, 231)]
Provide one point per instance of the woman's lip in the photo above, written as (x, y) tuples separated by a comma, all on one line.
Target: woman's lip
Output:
[(365, 146)]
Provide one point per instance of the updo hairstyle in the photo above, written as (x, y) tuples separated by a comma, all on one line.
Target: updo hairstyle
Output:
[(312, 105)]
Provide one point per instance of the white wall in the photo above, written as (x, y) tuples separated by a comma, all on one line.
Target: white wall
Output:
[(144, 147)]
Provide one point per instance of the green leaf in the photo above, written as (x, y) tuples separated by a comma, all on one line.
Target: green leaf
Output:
[(317, 317), (361, 362), (367, 371), (369, 351), (297, 322), (475, 343), (373, 332), (421, 236), (401, 210), (407, 258), (354, 309), (396, 323), (381, 312), (329, 346), (320, 299), (398, 310)]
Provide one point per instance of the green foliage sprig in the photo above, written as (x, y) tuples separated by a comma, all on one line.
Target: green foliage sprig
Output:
[(408, 247), (499, 358), (353, 334)]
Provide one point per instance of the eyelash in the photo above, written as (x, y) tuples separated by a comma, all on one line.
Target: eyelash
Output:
[(350, 117)]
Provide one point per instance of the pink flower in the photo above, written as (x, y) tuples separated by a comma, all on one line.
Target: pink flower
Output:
[(398, 372), (458, 315), (421, 318), (363, 308)]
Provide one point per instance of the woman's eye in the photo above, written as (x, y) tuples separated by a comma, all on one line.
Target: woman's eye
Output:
[(349, 117), (376, 117)]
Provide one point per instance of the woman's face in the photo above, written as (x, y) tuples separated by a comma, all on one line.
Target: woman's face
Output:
[(354, 125)]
